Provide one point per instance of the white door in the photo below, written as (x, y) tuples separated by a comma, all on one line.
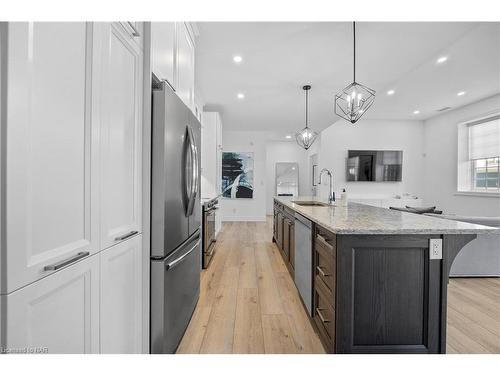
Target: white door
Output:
[(163, 51), (121, 297), (118, 110), (185, 65), (50, 176), (58, 314)]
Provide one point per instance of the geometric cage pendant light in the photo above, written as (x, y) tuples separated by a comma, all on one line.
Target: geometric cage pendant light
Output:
[(306, 137), (354, 100)]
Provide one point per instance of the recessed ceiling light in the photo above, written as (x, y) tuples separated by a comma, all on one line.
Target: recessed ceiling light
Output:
[(237, 59), (461, 93), (288, 137), (241, 95), (390, 92), (416, 112), (442, 59)]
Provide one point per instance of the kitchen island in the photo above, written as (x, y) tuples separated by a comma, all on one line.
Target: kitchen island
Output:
[(373, 280)]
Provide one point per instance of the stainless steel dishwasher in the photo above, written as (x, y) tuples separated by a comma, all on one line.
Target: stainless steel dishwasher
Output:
[(303, 260)]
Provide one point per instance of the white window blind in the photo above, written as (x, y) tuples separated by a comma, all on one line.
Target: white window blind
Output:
[(484, 138)]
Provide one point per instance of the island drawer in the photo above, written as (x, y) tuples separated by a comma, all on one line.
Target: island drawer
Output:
[(324, 314), (325, 268), (325, 239)]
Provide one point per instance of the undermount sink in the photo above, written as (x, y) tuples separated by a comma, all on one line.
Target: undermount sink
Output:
[(310, 203)]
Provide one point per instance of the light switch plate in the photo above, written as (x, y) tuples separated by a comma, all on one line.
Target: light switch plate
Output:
[(435, 248)]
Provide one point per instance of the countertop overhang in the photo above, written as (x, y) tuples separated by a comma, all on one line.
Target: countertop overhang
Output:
[(357, 218)]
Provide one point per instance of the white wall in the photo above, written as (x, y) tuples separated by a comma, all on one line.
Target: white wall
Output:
[(284, 152), (247, 209), (342, 136), (440, 141)]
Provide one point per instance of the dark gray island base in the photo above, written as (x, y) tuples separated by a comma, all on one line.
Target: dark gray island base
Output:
[(374, 293)]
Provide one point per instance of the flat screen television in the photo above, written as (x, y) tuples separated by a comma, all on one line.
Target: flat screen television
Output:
[(374, 165)]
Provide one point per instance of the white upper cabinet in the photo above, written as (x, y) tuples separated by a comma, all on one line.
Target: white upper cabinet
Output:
[(117, 106), (59, 313), (173, 56), (49, 175), (185, 65), (163, 43), (121, 297)]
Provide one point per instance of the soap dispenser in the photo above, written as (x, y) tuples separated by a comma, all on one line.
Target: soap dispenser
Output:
[(343, 198)]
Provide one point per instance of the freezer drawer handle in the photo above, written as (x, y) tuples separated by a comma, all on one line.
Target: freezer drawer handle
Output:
[(125, 236), (66, 262), (180, 259)]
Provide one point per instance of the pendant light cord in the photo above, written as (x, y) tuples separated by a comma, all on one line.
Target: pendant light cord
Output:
[(354, 48), (307, 105)]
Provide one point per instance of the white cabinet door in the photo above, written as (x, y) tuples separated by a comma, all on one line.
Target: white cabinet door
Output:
[(163, 51), (50, 176), (59, 312), (121, 297), (185, 65), (118, 110)]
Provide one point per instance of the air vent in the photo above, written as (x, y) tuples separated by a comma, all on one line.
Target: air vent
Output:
[(443, 109)]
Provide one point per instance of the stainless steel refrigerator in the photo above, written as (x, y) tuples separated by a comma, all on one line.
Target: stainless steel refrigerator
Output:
[(175, 219)]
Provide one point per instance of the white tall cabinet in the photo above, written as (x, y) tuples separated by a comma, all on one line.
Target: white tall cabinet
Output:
[(117, 102), (50, 190), (211, 161), (71, 258)]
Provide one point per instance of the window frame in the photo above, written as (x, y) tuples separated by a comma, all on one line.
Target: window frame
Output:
[(466, 181)]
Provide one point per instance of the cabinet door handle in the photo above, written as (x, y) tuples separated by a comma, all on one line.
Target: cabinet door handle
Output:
[(318, 311), (125, 236), (135, 32), (66, 262), (320, 270)]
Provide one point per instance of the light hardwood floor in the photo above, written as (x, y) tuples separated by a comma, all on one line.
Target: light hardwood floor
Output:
[(249, 303)]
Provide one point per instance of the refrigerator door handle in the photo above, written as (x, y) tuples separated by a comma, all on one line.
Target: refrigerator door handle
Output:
[(193, 175), (187, 176), (181, 258)]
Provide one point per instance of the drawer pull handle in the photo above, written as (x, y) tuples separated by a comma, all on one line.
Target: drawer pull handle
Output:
[(320, 270), (135, 32), (66, 262), (324, 241), (125, 236), (318, 311)]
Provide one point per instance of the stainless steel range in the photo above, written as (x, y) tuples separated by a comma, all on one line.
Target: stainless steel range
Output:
[(208, 230)]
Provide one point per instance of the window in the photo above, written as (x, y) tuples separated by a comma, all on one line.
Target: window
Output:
[(485, 175), (479, 156)]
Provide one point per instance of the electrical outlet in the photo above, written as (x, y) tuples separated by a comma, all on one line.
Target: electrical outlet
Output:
[(435, 248)]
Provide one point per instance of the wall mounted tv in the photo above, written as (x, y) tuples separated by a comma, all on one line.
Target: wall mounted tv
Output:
[(378, 166)]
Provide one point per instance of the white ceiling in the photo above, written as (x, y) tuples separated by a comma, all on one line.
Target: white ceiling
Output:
[(280, 57)]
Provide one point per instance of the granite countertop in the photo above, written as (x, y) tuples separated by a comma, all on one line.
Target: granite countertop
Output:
[(356, 218)]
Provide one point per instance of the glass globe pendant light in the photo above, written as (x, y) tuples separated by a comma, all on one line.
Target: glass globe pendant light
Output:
[(306, 137), (354, 100)]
